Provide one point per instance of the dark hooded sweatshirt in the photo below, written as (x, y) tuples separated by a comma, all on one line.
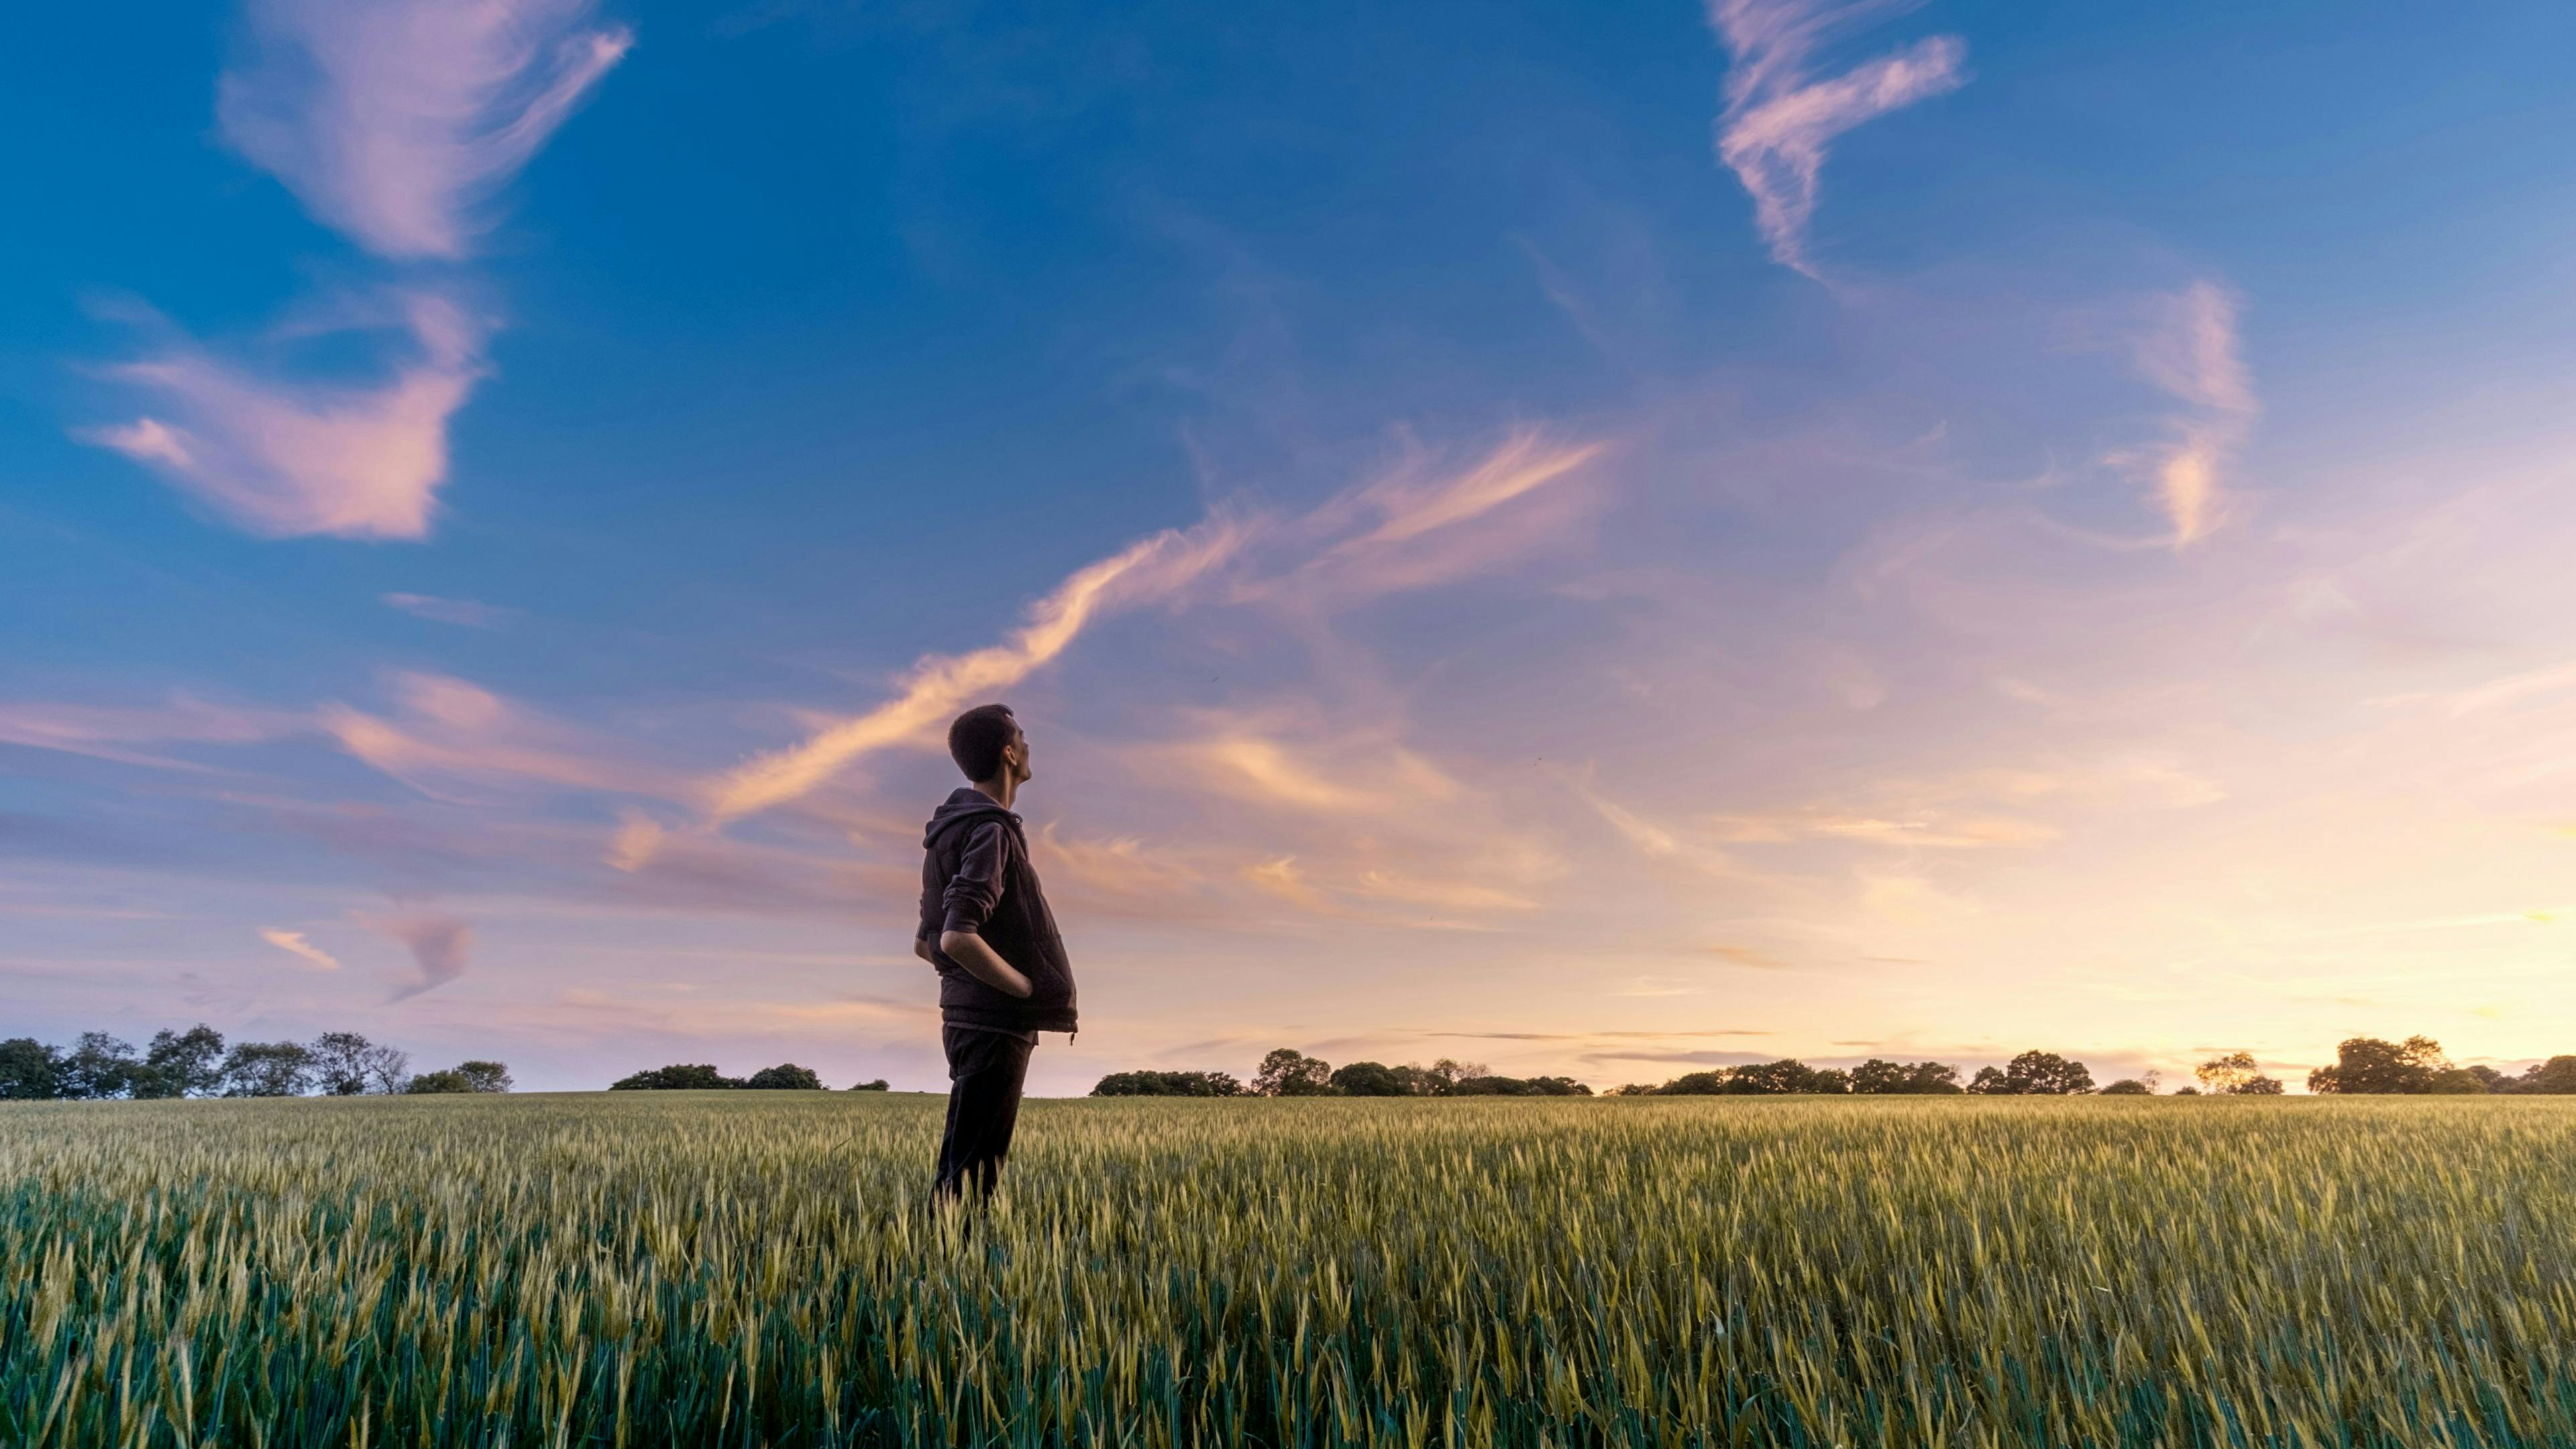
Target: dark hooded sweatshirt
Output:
[(976, 876)]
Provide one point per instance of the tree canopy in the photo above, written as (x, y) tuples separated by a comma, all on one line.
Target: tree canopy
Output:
[(197, 1063), (1168, 1084)]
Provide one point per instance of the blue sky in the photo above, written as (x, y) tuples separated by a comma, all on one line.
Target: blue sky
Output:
[(1495, 565)]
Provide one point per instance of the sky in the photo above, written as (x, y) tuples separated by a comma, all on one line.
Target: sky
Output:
[(1592, 541)]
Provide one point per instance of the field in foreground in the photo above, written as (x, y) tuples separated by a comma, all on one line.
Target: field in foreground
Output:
[(757, 1268)]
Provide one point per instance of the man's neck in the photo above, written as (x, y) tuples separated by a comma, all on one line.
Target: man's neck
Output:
[(1001, 791)]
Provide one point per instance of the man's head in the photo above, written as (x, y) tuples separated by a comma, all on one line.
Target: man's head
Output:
[(987, 744)]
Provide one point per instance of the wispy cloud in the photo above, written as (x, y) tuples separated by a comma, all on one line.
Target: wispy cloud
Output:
[(466, 612), (453, 736), (1410, 508), (1367, 540), (438, 944), (392, 120), (395, 120), (1780, 119), (2190, 350), (1423, 523), (1381, 777), (293, 943), (940, 685), (638, 839), (287, 459), (107, 732)]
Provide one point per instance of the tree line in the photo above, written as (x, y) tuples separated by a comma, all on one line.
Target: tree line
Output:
[(2365, 1064), (703, 1077), (197, 1063), (1288, 1072), (2362, 1065)]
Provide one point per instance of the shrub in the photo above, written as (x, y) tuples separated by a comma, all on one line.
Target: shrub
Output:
[(879, 1085), (785, 1077)]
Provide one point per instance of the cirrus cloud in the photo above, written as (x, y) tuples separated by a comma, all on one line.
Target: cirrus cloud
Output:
[(1780, 120), (294, 944), (392, 120), (291, 459)]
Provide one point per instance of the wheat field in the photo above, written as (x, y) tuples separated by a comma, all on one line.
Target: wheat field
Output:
[(762, 1269)]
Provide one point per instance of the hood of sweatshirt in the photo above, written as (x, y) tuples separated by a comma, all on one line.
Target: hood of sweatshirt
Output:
[(964, 806)]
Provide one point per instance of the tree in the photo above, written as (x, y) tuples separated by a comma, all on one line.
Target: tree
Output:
[(2224, 1074), (879, 1085), (388, 1069), (2368, 1065), (1493, 1086), (182, 1064), (339, 1061), (2556, 1076), (1168, 1084), (690, 1077), (1694, 1084), (2236, 1074), (1988, 1082), (1447, 1073), (464, 1077), (267, 1069), (2456, 1082), (30, 1070), (785, 1077), (1369, 1079), (1880, 1077), (2128, 1087), (2037, 1074), (1288, 1072), (1787, 1076), (99, 1066)]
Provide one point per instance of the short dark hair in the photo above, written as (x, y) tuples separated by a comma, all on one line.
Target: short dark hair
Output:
[(977, 738)]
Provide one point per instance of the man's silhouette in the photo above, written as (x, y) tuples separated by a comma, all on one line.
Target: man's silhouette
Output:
[(985, 925)]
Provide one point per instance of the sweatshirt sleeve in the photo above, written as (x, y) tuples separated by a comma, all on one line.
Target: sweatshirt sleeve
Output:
[(977, 885)]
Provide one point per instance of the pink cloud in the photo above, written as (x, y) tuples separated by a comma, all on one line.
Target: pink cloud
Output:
[(453, 734), (438, 945), (294, 944), (2190, 350), (1780, 121), (392, 120), (106, 732), (288, 459)]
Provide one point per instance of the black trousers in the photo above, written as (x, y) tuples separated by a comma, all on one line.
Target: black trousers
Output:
[(985, 1072)]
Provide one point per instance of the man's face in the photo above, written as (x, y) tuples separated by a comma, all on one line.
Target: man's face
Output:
[(1015, 757)]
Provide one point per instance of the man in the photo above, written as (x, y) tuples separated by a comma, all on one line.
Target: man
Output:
[(1003, 977)]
